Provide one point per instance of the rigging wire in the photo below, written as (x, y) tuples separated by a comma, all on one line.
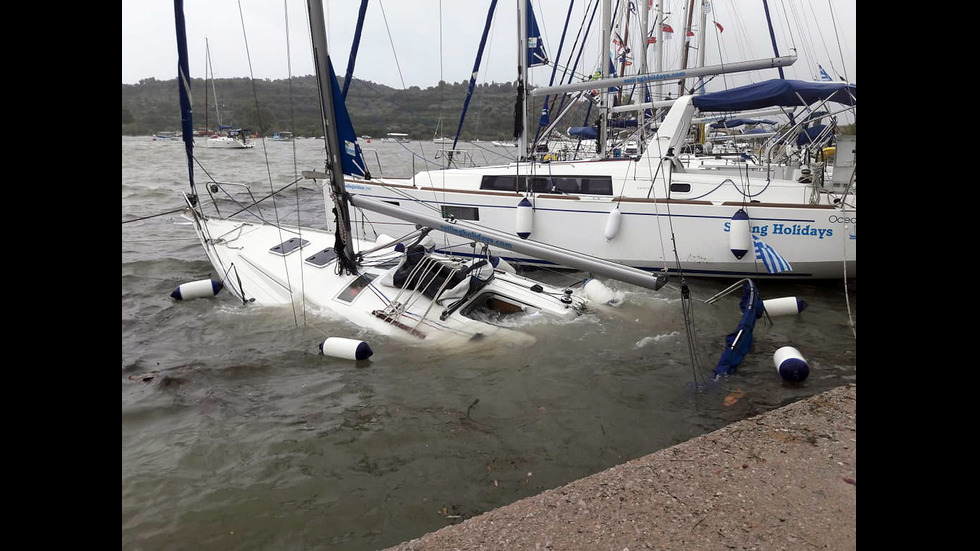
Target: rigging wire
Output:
[(840, 50), (292, 122), (258, 114), (394, 52)]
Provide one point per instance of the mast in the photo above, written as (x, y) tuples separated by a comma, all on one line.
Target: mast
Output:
[(605, 17), (658, 60), (184, 87), (687, 46), (772, 36), (206, 56), (520, 123), (641, 94), (702, 35), (334, 162), (624, 43), (210, 68)]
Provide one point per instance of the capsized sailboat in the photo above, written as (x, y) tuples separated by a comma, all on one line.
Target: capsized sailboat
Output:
[(397, 287)]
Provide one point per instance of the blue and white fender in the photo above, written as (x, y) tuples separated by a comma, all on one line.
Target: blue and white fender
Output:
[(204, 288), (740, 234), (348, 349), (790, 364), (525, 218), (501, 264)]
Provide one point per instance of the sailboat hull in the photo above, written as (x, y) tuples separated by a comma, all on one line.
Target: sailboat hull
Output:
[(818, 240), (277, 266), (225, 142)]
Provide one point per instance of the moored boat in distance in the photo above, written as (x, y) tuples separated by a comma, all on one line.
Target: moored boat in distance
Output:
[(396, 137), (166, 136), (234, 138)]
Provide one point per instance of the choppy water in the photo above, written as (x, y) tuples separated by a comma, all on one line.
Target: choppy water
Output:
[(238, 434)]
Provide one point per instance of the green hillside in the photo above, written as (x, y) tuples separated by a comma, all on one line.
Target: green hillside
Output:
[(268, 106)]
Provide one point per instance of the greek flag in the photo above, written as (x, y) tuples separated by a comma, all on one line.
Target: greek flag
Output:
[(769, 257), (823, 74)]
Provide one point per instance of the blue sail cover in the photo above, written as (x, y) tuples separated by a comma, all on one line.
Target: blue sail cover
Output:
[(777, 92), (587, 132), (350, 153), (732, 123), (812, 135), (535, 45), (739, 342)]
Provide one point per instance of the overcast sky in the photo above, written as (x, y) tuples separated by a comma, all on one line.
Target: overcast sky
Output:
[(402, 39)]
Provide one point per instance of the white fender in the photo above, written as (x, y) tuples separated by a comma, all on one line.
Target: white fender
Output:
[(348, 349), (613, 222), (204, 288), (790, 364), (428, 243), (598, 293), (785, 306), (525, 218), (740, 234)]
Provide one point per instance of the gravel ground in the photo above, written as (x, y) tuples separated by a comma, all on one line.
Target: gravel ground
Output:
[(781, 480)]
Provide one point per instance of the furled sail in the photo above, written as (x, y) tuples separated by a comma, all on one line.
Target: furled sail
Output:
[(535, 44), (739, 342), (350, 151), (184, 85)]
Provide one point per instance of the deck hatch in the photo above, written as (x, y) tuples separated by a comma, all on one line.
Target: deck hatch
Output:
[(321, 258), (289, 246)]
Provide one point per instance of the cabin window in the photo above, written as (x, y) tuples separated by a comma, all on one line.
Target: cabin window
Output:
[(460, 213), (589, 185), (350, 293), (680, 188), (494, 309)]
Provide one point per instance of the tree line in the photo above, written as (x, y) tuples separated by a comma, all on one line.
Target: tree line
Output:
[(269, 106)]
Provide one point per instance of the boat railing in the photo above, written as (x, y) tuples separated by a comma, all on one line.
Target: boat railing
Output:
[(460, 158), (377, 160), (778, 149)]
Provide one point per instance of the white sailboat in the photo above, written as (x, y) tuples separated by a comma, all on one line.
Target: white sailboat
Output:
[(651, 211), (226, 137)]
